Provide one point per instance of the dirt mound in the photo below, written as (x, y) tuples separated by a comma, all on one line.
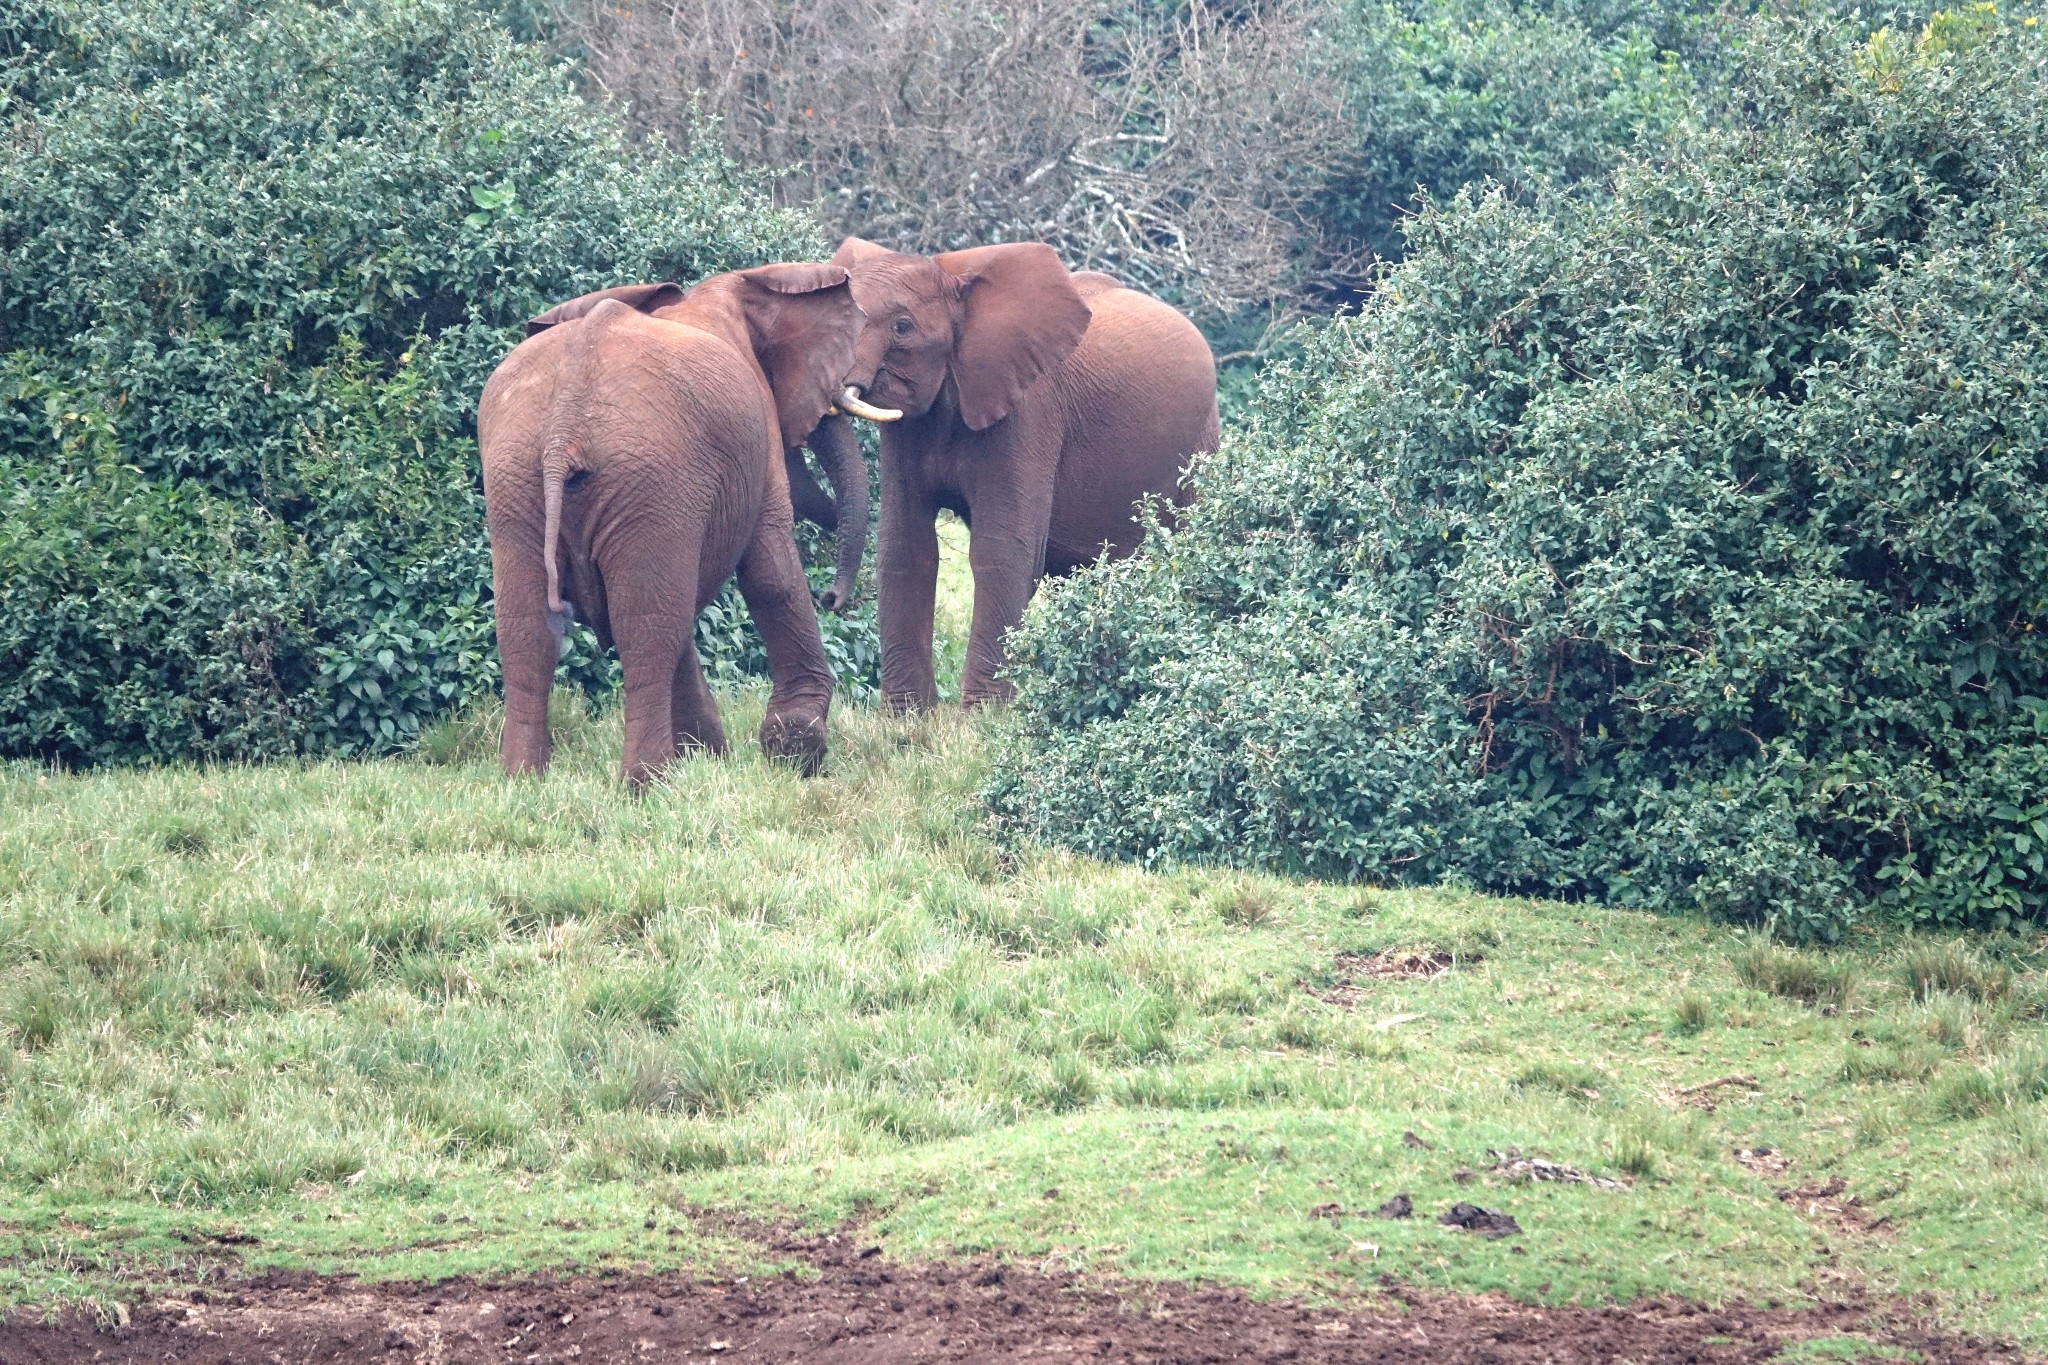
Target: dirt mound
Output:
[(862, 1309)]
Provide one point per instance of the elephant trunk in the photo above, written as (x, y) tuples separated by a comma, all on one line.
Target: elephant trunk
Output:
[(810, 502), (838, 449)]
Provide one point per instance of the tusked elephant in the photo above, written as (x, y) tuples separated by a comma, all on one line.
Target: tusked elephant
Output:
[(1039, 405), (633, 454)]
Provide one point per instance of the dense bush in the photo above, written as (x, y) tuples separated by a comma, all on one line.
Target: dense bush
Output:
[(1444, 93), (255, 261), (1686, 550)]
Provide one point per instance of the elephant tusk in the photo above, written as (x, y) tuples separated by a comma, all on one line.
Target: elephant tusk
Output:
[(851, 401)]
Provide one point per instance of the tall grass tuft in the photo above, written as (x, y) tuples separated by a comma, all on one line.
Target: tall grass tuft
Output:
[(1693, 1013), (1804, 975), (1954, 967)]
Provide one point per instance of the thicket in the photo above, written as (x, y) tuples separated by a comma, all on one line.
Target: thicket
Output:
[(256, 259), (1685, 550), (1175, 144)]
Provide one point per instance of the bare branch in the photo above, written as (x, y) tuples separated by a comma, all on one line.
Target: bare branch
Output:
[(1177, 152)]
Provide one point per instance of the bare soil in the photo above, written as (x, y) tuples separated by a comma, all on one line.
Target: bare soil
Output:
[(1351, 970), (855, 1306)]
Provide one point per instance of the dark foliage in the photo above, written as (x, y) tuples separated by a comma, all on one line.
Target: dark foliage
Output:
[(256, 259), (1686, 550)]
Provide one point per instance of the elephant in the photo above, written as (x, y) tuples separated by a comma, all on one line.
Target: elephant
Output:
[(634, 459), (1041, 406)]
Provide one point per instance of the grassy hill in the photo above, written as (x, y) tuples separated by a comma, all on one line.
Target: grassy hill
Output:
[(407, 1018)]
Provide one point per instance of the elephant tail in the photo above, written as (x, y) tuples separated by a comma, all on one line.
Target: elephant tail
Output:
[(562, 450), (560, 611)]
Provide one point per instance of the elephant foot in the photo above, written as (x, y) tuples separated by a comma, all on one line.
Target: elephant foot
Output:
[(911, 703), (998, 694), (639, 777), (795, 739), (525, 750)]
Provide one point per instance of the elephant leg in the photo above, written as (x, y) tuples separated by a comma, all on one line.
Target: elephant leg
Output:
[(772, 581), (1011, 501), (653, 615), (691, 709), (527, 649), (528, 660), (907, 569)]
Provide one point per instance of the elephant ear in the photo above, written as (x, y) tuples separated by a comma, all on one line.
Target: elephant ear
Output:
[(1023, 317), (1092, 283), (856, 250), (803, 323), (641, 298)]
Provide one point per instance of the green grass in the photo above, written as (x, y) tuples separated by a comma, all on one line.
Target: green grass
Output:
[(953, 605), (410, 1018)]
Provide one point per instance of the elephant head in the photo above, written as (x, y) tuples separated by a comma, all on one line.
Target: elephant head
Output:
[(641, 298), (797, 323), (975, 328)]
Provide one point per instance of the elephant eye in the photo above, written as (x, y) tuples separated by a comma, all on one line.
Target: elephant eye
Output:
[(903, 327)]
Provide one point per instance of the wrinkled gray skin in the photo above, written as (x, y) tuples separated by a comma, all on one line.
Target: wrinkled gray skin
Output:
[(1040, 406), (634, 459)]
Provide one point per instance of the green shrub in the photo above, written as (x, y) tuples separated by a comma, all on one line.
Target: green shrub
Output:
[(1446, 93), (255, 262), (1684, 550)]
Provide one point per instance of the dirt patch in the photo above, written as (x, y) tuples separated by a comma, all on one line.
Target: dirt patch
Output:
[(854, 1306), (1512, 1165), (1400, 1206), (1828, 1202), (1762, 1161), (1351, 970), (1831, 1202), (1707, 1095)]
